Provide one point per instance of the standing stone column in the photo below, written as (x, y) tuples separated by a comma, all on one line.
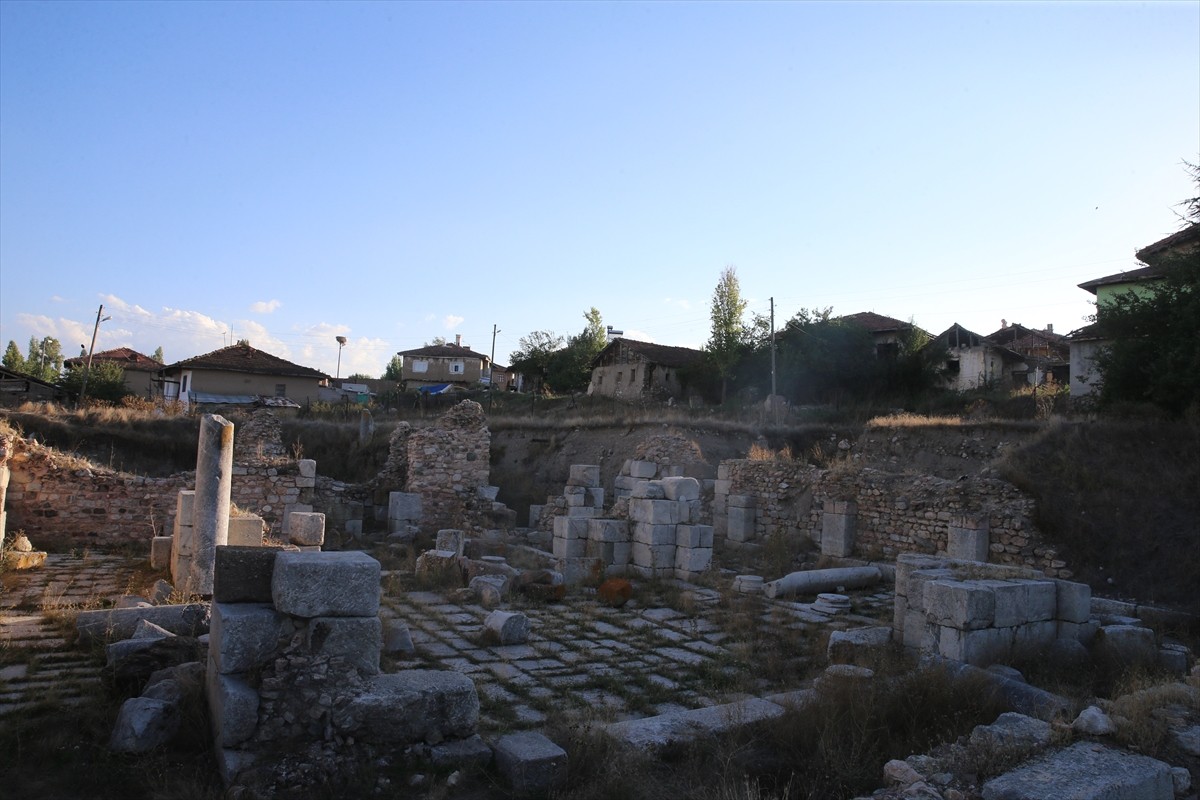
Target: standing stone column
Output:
[(838, 528), (210, 509), (968, 537)]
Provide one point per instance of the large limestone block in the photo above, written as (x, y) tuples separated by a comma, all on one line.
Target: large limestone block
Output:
[(571, 527), (359, 640), (1085, 771), (232, 708), (608, 530), (978, 648), (966, 605), (653, 556), (243, 635), (739, 524), (451, 539), (654, 512), (681, 488), (144, 724), (160, 552), (1073, 602), (306, 528), (693, 559), (643, 469), (569, 548), (412, 706), (654, 734), (317, 584), (1126, 645), (648, 490), (246, 531), (120, 623), (655, 535), (404, 507), (694, 536), (243, 574), (531, 763), (586, 475)]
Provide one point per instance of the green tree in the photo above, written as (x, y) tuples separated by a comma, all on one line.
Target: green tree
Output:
[(158, 355), (44, 359), (13, 359), (1153, 354), (729, 337), (395, 369), (106, 381), (534, 356), (570, 369)]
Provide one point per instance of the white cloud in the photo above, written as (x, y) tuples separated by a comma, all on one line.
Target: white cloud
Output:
[(686, 305), (265, 307), (450, 321)]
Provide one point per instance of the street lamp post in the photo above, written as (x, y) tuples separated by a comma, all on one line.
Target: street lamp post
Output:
[(341, 340)]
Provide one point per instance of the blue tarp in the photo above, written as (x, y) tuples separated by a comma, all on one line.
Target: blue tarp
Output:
[(438, 388)]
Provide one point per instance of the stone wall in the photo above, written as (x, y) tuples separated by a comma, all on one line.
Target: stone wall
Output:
[(448, 464), (895, 513), (64, 502)]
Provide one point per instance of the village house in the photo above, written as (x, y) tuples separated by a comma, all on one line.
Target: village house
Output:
[(633, 370), (1046, 353), (438, 365), (974, 361), (1086, 342), (141, 371), (887, 333), (240, 375)]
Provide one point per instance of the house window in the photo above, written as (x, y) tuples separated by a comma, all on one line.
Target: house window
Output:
[(281, 390), (887, 351), (456, 368), (183, 387), (420, 365), (619, 379), (952, 366), (600, 379)]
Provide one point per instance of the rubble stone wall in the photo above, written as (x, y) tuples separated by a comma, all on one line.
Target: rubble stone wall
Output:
[(447, 465), (62, 502), (896, 513)]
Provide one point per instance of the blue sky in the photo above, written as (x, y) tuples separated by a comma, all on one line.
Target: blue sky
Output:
[(393, 172)]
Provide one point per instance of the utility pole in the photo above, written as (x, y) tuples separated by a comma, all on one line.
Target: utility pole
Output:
[(87, 369), (774, 409), (492, 368)]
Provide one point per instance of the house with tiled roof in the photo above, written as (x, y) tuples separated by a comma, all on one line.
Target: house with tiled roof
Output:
[(438, 365), (887, 333), (1086, 342), (973, 361), (633, 370), (1046, 353), (241, 375), (141, 371)]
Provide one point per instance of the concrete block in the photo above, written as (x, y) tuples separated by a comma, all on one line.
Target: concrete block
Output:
[(246, 531), (243, 574), (232, 708), (356, 639), (643, 469), (966, 605), (531, 763), (587, 475), (338, 584), (160, 551)]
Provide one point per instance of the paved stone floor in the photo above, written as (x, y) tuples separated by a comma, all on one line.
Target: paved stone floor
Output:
[(673, 647), (38, 663)]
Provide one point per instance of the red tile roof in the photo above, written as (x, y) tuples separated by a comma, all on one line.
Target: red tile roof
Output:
[(126, 357), (244, 358)]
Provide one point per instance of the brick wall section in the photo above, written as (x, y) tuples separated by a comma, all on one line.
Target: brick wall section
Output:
[(61, 502), (896, 513)]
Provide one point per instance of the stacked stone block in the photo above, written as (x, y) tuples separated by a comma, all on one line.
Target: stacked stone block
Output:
[(985, 614), (294, 650), (667, 539), (306, 529)]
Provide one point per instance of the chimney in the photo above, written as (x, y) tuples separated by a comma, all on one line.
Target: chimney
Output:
[(1049, 327), (458, 340), (1003, 324)]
